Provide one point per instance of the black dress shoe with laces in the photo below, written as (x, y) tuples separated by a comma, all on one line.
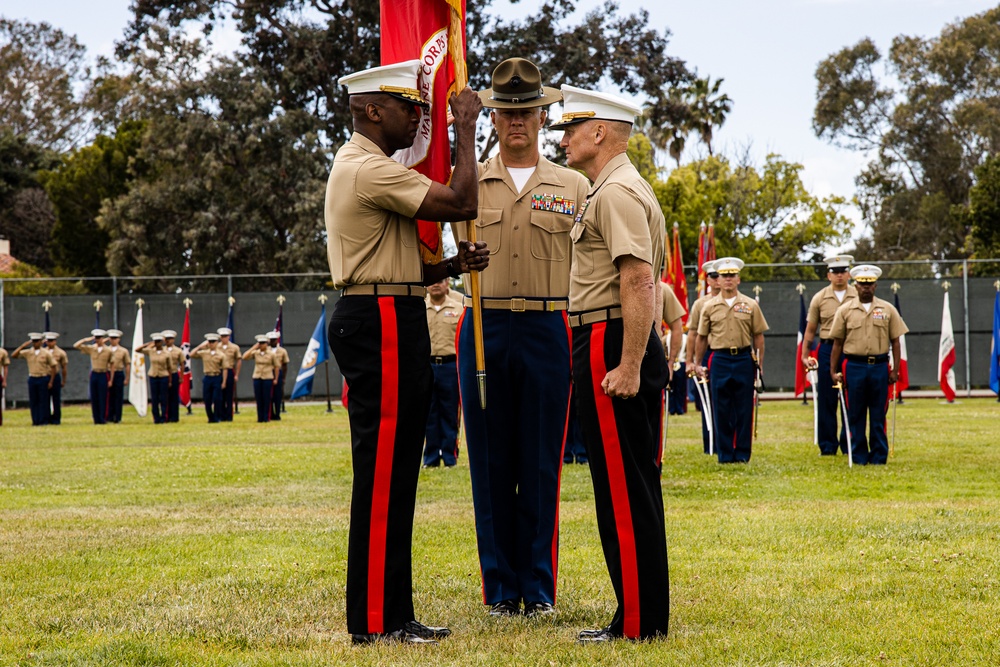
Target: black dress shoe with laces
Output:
[(506, 608), (425, 631), (538, 609), (400, 636), (597, 636)]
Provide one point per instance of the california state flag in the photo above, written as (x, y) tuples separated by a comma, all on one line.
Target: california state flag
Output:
[(946, 354), (421, 30)]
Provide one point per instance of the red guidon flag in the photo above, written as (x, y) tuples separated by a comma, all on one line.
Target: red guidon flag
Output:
[(675, 273), (946, 353), (419, 29), (185, 388)]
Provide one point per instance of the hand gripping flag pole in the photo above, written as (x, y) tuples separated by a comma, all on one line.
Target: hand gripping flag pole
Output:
[(456, 46)]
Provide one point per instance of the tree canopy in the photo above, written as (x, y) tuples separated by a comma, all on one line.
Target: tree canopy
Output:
[(928, 115)]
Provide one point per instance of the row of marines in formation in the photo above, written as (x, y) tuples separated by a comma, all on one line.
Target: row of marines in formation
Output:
[(111, 366), (569, 304)]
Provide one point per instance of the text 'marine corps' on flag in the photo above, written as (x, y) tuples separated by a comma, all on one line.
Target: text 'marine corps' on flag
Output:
[(418, 30)]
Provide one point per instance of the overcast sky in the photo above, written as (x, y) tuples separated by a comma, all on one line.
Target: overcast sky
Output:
[(766, 51)]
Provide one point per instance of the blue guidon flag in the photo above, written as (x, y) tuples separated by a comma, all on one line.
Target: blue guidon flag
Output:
[(317, 352)]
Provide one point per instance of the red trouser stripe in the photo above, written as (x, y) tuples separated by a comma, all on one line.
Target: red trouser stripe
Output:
[(616, 480), (383, 465)]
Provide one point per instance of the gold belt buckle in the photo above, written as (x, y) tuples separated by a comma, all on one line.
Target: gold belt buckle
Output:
[(734, 351), (517, 305), (871, 361)]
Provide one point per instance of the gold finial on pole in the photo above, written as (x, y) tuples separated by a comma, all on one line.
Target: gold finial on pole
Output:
[(232, 300), (945, 285), (97, 305), (322, 298), (187, 303), (46, 305), (757, 289), (800, 288), (895, 287), (139, 302), (281, 299)]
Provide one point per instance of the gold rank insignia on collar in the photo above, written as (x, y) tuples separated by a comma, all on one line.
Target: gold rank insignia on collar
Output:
[(554, 203)]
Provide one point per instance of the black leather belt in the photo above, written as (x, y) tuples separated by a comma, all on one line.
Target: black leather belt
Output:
[(826, 341), (385, 289), (871, 360), (594, 316), (444, 359), (520, 304), (213, 375), (735, 351)]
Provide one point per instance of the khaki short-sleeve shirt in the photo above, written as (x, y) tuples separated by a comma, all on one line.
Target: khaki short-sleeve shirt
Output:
[(177, 356), (527, 232), (867, 333), (620, 217), (442, 322), (728, 326), (823, 306), (59, 354), (40, 361), (100, 357), (213, 361), (265, 363), (672, 308), (694, 317), (4, 358), (282, 355), (231, 351), (161, 362), (120, 359), (370, 203)]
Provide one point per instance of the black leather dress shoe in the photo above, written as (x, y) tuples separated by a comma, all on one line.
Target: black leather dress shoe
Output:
[(395, 637), (506, 608), (425, 631), (538, 609), (597, 636)]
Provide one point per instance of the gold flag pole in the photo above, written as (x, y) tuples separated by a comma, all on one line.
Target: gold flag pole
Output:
[(456, 45)]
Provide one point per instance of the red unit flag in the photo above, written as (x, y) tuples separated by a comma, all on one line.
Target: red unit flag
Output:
[(185, 388), (419, 30)]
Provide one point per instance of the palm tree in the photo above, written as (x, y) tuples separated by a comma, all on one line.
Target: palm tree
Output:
[(708, 108)]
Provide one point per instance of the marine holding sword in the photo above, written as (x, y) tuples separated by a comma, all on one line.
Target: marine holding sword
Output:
[(863, 331), (731, 328)]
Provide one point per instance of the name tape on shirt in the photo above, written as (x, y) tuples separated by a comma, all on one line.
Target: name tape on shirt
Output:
[(554, 203)]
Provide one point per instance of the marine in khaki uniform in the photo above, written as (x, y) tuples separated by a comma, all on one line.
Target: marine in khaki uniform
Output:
[(174, 392), (214, 377), (441, 434), (96, 348), (731, 327), (121, 364), (694, 317), (515, 447), (232, 352), (62, 360), (42, 369), (378, 329), (266, 368), (864, 330), (278, 390), (619, 368), (819, 321), (4, 367), (672, 339), (161, 376)]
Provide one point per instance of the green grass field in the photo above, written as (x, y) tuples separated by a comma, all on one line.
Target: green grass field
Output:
[(193, 544)]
